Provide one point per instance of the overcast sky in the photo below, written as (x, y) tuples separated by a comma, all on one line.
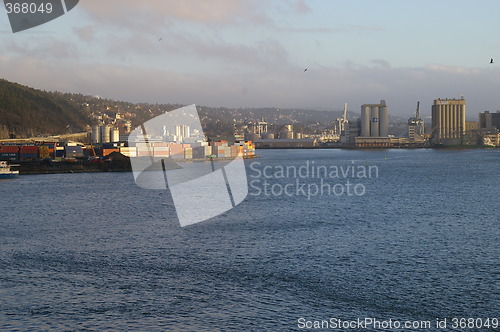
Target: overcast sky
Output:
[(239, 53)]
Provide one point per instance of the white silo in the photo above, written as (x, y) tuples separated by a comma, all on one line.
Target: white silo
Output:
[(105, 134), (96, 134), (374, 122), (365, 121), (268, 136), (384, 121), (115, 135)]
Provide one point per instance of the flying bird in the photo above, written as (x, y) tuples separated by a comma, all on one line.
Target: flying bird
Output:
[(491, 61), (160, 39), (305, 70)]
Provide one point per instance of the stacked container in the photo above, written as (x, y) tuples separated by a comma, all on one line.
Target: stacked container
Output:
[(49, 148), (129, 151), (44, 152), (28, 152), (248, 148), (202, 151), (59, 152), (9, 152), (188, 153), (176, 151), (161, 151), (144, 150)]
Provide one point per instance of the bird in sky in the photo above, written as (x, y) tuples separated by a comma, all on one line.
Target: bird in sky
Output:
[(305, 70), (160, 39), (491, 61)]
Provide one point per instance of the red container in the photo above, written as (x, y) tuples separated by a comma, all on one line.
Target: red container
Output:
[(9, 149), (160, 144), (29, 149)]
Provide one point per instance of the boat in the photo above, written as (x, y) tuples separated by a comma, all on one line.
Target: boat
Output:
[(487, 143), (6, 172)]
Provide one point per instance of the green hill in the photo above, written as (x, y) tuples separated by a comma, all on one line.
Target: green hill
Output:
[(25, 112)]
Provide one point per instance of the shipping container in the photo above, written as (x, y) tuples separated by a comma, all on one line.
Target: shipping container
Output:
[(107, 152), (161, 151), (9, 149), (45, 152), (8, 156), (144, 146), (202, 151), (160, 144), (130, 153), (28, 149), (51, 146), (28, 156), (142, 153)]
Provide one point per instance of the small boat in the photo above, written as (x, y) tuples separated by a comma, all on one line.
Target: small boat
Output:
[(487, 143), (6, 172)]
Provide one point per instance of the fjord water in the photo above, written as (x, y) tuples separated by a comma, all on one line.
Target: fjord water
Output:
[(94, 251)]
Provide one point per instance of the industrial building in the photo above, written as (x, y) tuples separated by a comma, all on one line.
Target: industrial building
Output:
[(448, 121), (489, 121), (416, 126), (105, 134), (375, 120)]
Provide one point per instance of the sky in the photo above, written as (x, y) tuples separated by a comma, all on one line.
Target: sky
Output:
[(254, 53)]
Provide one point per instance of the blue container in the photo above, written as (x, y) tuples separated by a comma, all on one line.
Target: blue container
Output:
[(27, 156)]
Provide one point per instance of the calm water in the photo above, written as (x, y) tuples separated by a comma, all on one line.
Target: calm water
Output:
[(94, 251)]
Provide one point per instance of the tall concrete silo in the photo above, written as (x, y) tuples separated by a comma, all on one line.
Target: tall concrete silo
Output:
[(96, 134)]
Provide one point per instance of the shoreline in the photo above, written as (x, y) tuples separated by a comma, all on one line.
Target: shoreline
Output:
[(44, 167)]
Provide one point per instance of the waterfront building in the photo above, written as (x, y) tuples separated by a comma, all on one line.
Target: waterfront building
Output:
[(448, 121), (258, 128), (471, 125), (489, 121), (182, 132), (303, 143), (375, 120), (286, 132)]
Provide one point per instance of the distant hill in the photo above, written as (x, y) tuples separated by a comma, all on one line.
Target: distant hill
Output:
[(25, 111), (28, 112)]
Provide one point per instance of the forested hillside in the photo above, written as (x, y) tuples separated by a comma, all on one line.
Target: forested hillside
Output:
[(26, 111)]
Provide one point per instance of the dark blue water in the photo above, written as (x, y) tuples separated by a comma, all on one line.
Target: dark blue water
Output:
[(94, 251)]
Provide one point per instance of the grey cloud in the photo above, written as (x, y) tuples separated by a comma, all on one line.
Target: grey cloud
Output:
[(322, 87), (382, 63), (123, 12), (86, 33)]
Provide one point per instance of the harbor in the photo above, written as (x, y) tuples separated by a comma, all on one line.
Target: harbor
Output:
[(58, 157)]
